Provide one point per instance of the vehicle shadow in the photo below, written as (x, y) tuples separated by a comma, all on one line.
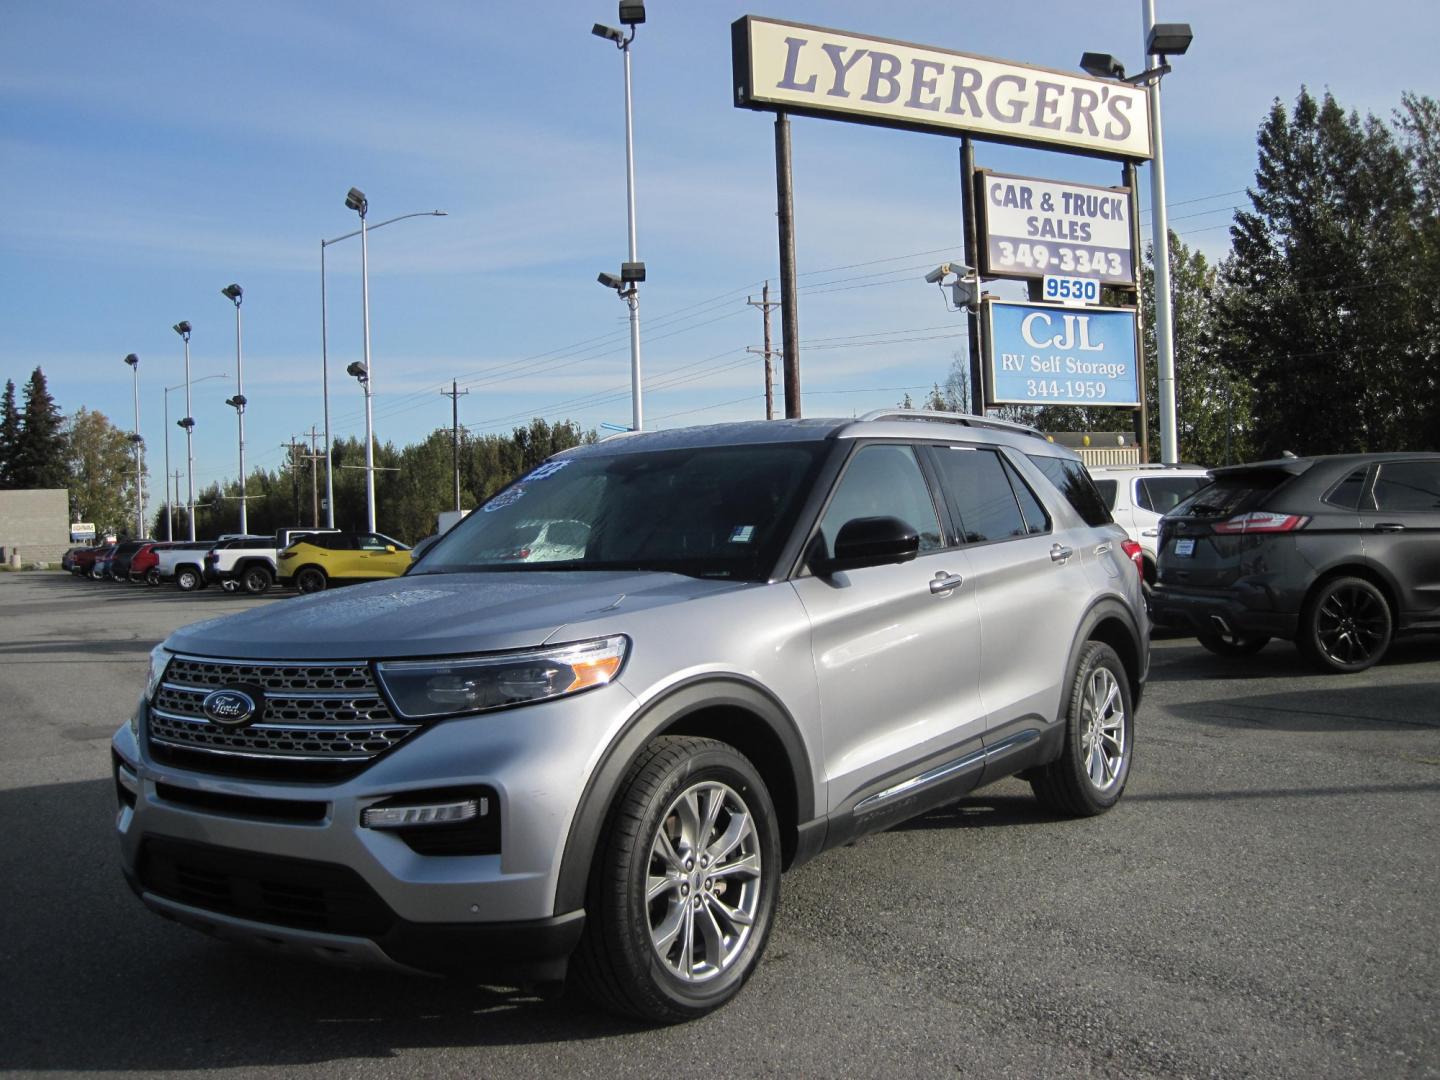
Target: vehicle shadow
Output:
[(983, 811), (1278, 659), (95, 982), (1324, 704)]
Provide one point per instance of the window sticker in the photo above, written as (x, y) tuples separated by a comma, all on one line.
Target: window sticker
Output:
[(504, 499), (742, 534), (550, 468)]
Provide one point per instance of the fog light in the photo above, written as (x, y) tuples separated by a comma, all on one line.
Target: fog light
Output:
[(403, 817)]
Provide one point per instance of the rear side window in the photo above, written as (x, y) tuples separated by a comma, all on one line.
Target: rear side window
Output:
[(1161, 494), (1072, 481), (1408, 485), (976, 483), (1107, 489), (1347, 492), (1232, 493)]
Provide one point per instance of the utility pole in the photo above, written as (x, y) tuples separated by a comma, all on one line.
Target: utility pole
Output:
[(455, 394), (294, 446), (313, 457), (765, 304), (169, 510)]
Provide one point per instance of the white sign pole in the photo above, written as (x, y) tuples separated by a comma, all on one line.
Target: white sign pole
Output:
[(1160, 233)]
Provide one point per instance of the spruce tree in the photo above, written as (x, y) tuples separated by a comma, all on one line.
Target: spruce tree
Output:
[(9, 435), (40, 459)]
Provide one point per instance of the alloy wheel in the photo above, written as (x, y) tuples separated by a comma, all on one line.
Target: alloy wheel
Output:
[(703, 887), (1351, 624), (1102, 738)]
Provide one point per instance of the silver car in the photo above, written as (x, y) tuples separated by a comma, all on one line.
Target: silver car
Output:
[(595, 757)]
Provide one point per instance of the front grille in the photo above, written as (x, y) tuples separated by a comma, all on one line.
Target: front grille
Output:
[(270, 889), (317, 721)]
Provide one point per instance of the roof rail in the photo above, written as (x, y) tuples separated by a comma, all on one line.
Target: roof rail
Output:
[(964, 419)]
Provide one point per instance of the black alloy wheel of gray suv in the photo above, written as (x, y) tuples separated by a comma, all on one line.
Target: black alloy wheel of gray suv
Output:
[(592, 725), (1335, 553)]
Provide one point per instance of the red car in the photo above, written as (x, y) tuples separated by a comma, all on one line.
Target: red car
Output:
[(145, 564), (83, 561)]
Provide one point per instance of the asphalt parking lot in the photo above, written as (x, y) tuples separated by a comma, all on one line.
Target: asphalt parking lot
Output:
[(1265, 901)]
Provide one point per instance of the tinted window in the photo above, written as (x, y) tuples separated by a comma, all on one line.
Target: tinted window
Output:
[(709, 511), (1232, 493), (1072, 481), (1161, 494), (1348, 491), (883, 481), (1107, 489), (1036, 516), (977, 485), (1408, 485)]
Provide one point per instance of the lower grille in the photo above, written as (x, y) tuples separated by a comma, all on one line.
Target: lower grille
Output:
[(295, 893)]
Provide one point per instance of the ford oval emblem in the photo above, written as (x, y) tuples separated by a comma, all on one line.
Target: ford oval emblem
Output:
[(231, 708)]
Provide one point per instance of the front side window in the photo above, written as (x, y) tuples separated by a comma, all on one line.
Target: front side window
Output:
[(1408, 485), (882, 480), (708, 511)]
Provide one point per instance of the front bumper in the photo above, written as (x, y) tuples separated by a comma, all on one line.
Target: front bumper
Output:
[(202, 848)]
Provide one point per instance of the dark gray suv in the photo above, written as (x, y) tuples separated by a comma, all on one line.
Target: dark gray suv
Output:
[(600, 716)]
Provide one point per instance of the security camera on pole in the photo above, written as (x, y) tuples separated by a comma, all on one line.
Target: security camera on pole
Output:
[(632, 272), (235, 294)]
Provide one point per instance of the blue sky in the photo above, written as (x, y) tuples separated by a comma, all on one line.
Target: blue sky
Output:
[(151, 153)]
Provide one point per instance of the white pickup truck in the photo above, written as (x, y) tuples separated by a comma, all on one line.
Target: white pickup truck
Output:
[(184, 564), (248, 562)]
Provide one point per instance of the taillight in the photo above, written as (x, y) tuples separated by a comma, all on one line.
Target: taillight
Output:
[(1262, 521), (1135, 553)]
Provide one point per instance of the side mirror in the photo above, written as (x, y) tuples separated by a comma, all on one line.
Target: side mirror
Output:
[(870, 541)]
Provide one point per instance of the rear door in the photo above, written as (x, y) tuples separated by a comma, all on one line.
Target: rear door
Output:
[(1400, 524)]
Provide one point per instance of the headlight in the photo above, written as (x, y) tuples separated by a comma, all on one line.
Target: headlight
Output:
[(428, 688), (159, 661)]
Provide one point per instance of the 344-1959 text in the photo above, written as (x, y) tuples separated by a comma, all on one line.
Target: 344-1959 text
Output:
[(1065, 389)]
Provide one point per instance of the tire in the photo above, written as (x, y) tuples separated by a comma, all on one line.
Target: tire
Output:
[(1345, 626), (684, 951), (310, 579), (152, 576), (256, 579), (188, 579), (1232, 644), (1090, 774)]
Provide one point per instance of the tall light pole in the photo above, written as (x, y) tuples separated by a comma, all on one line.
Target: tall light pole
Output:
[(355, 200), (361, 374), (235, 294), (134, 362), (325, 351), (169, 506), (188, 423), (632, 272)]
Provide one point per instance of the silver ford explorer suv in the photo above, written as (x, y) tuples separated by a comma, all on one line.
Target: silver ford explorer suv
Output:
[(592, 725)]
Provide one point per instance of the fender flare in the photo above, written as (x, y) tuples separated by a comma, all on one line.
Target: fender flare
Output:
[(685, 699)]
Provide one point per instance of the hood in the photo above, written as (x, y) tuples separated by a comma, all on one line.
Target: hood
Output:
[(434, 615)]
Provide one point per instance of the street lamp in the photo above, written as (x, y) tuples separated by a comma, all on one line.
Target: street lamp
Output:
[(169, 509), (1162, 40), (134, 362), (361, 373), (325, 350), (183, 329), (632, 14), (235, 294)]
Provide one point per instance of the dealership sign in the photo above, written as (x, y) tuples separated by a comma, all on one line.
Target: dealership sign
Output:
[(1031, 228), (1041, 354), (789, 67)]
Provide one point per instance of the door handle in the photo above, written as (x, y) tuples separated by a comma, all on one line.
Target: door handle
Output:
[(1389, 526), (1103, 549), (1059, 553), (1150, 532), (943, 582)]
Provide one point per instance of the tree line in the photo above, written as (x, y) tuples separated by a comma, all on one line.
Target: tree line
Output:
[(1320, 331)]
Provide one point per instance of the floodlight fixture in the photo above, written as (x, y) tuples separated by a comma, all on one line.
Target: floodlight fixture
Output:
[(132, 360), (632, 12), (1102, 65), (183, 329), (610, 281), (237, 402), (609, 33), (632, 271), (355, 200), (358, 370), (233, 293), (186, 422), (1169, 39)]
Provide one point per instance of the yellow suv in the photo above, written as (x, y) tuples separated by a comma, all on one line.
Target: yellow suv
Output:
[(313, 562)]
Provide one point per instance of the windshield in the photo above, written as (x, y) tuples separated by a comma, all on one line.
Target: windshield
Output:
[(713, 511)]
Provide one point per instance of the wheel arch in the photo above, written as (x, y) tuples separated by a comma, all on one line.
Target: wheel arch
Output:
[(731, 709), (1109, 621), (1365, 571)]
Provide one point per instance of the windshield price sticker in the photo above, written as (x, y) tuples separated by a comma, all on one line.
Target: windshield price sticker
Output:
[(1038, 227), (1071, 290)]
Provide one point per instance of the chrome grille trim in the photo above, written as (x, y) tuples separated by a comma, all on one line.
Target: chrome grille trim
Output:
[(311, 712)]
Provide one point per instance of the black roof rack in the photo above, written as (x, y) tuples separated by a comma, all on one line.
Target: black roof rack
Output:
[(963, 419)]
